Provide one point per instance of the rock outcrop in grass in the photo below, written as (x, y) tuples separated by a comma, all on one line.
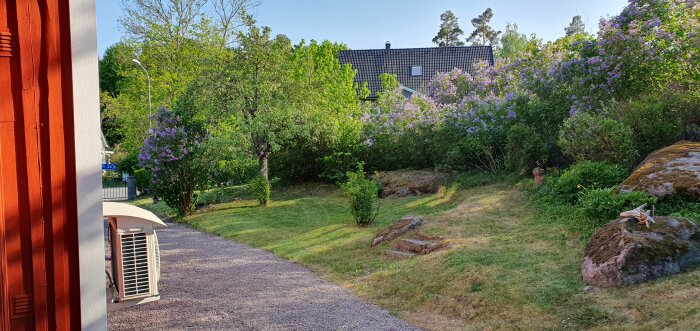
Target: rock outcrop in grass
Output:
[(402, 183), (627, 252), (671, 170)]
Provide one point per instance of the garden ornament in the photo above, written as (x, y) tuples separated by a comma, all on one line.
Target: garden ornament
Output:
[(539, 175), (638, 214)]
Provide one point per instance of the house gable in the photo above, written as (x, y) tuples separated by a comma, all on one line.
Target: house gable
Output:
[(414, 67)]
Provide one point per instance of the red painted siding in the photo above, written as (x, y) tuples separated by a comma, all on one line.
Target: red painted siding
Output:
[(39, 285)]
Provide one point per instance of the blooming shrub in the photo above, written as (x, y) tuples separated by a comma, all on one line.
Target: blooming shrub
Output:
[(175, 154), (461, 125)]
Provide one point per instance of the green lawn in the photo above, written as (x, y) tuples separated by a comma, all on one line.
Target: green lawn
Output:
[(505, 268)]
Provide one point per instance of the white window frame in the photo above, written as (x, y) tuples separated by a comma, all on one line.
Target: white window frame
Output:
[(416, 71)]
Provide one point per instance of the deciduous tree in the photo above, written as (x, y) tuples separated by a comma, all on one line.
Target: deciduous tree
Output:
[(513, 43)]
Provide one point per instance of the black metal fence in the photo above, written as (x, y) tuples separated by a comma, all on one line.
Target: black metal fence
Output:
[(114, 189)]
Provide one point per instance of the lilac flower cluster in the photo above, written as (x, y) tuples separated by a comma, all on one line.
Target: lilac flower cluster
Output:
[(168, 142), (650, 44), (468, 101)]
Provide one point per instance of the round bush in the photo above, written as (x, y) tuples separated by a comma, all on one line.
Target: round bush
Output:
[(260, 189), (364, 197), (586, 137)]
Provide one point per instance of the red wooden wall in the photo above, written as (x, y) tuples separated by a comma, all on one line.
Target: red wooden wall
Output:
[(39, 285)]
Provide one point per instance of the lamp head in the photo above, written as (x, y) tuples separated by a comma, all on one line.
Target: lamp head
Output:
[(136, 61)]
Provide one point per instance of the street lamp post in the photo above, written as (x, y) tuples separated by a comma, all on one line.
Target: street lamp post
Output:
[(150, 106)]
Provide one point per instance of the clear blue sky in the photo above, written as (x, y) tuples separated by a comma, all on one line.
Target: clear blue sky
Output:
[(363, 24)]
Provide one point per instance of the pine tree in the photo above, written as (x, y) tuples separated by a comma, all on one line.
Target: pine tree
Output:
[(483, 32), (449, 31), (576, 26)]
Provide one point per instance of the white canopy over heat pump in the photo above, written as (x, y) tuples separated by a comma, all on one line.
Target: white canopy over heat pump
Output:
[(135, 256)]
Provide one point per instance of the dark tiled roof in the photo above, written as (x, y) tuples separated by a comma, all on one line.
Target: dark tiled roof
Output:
[(371, 63)]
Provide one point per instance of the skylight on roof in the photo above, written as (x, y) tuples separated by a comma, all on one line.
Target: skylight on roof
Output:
[(416, 71)]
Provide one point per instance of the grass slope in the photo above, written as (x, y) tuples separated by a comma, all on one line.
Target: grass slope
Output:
[(505, 268)]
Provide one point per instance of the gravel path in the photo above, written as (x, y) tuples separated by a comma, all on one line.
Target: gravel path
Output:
[(215, 284)]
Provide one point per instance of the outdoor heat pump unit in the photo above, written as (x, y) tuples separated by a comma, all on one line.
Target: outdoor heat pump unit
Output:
[(133, 254)]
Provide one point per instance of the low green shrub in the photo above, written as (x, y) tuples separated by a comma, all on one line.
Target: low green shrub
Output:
[(679, 206), (337, 165), (236, 171), (586, 137), (655, 123), (129, 164), (364, 197), (260, 188), (525, 149), (220, 195), (143, 180), (603, 205), (587, 175)]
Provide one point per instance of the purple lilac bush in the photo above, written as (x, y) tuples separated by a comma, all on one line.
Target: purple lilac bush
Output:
[(650, 47), (174, 152)]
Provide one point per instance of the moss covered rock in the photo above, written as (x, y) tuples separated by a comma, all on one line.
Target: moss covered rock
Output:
[(623, 253), (671, 170), (410, 182)]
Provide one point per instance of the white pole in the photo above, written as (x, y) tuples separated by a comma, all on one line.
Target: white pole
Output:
[(150, 106)]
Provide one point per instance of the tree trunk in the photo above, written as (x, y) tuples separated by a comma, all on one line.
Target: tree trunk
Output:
[(262, 163)]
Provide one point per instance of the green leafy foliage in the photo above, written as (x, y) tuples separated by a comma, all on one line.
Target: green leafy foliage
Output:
[(587, 175), (364, 197), (656, 121), (233, 171), (525, 149), (679, 206), (260, 188), (220, 195), (588, 137), (143, 180), (603, 205), (337, 165), (514, 44), (128, 164)]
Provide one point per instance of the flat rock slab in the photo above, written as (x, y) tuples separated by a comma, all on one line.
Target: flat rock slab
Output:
[(209, 283), (671, 170), (623, 253), (403, 225), (416, 246)]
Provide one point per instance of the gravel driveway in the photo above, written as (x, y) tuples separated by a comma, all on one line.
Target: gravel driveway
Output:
[(215, 284)]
